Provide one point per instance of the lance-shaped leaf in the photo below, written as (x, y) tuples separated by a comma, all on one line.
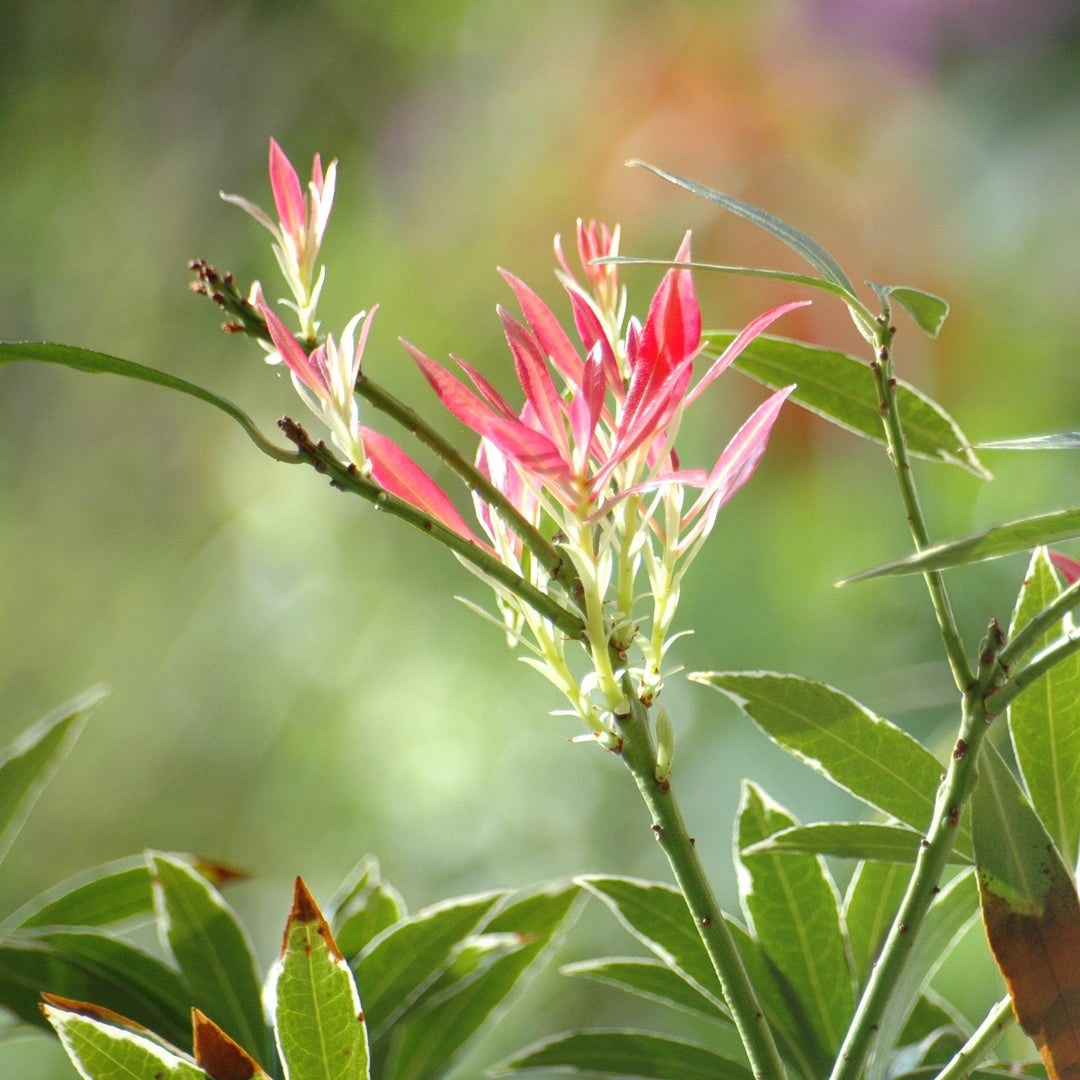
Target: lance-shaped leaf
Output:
[(1065, 440), (650, 979), (479, 986), (1044, 721), (928, 310), (108, 1051), (30, 761), (219, 1056), (1031, 913), (793, 909), (104, 895), (991, 543), (858, 751), (363, 906), (614, 1052), (402, 961), (840, 388), (848, 840), (212, 950), (101, 363), (92, 966), (318, 1022), (872, 900)]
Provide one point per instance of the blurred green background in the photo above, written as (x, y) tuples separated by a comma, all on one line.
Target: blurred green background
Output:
[(293, 683)]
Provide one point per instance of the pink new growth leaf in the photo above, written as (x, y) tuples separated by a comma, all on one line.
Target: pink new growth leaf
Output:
[(288, 194), (292, 352)]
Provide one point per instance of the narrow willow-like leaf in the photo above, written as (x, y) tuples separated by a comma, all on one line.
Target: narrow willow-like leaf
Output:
[(742, 271), (799, 242), (218, 1054), (928, 310), (848, 840), (651, 979), (407, 957), (954, 909), (614, 1052), (318, 1022), (1031, 913), (1065, 440), (1044, 721), (929, 1021), (92, 966), (450, 1016), (102, 1051), (836, 736), (363, 906), (212, 950), (793, 908), (27, 765), (840, 388), (101, 363), (991, 543), (870, 904)]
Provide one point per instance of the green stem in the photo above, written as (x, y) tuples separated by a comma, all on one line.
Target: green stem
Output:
[(1040, 664), (668, 827), (885, 383), (1026, 637), (349, 478), (975, 1051)]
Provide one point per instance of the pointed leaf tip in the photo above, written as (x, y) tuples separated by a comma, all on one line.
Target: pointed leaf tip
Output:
[(305, 910), (86, 1008), (219, 1056)]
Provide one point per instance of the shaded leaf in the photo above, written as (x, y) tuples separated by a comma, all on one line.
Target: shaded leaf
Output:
[(928, 311), (1031, 913), (102, 1051), (212, 950), (934, 1029), (218, 1055), (870, 904), (848, 840), (28, 764), (991, 543), (461, 1002), (608, 1053), (858, 751), (1065, 440), (363, 906), (792, 908), (92, 966), (651, 979), (1044, 721), (840, 388), (318, 1022), (407, 957)]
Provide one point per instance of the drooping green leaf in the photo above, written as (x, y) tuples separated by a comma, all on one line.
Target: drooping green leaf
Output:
[(799, 242), (991, 543), (92, 966), (1044, 721), (844, 741), (27, 765), (363, 906), (1031, 913), (651, 979), (449, 1016), (928, 311), (849, 840), (870, 904), (318, 1022), (952, 912), (793, 909), (402, 961), (102, 1051), (1065, 440), (840, 388), (611, 1053), (213, 953), (100, 363)]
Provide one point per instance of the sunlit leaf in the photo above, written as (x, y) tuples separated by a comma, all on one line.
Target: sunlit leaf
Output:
[(836, 736), (103, 1051), (212, 950), (870, 904), (218, 1054), (928, 311), (363, 906), (612, 1053), (27, 765), (1031, 913), (100, 363), (651, 979), (1066, 440), (792, 907), (318, 1021), (991, 543), (848, 840), (840, 388), (460, 1004)]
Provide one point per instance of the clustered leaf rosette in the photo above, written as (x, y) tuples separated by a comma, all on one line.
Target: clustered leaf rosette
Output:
[(589, 459)]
